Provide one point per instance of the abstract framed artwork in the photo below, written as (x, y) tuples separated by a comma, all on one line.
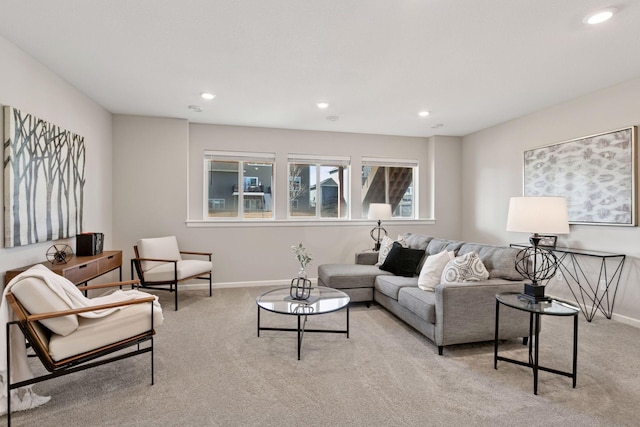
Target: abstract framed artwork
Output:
[(597, 174), (44, 178)]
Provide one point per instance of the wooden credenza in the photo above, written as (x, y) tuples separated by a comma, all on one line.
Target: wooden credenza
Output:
[(79, 269)]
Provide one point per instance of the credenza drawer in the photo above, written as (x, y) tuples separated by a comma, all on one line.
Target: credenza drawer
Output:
[(109, 262), (83, 272)]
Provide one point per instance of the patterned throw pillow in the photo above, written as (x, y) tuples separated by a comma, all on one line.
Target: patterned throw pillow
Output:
[(385, 246), (465, 268)]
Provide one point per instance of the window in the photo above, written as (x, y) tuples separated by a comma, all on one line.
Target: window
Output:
[(390, 181), (318, 187), (239, 185)]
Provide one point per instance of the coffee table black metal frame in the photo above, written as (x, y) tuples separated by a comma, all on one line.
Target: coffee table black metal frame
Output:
[(322, 300), (552, 307)]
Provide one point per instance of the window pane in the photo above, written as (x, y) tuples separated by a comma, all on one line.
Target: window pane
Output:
[(222, 188), (302, 190), (333, 183), (257, 190), (388, 184)]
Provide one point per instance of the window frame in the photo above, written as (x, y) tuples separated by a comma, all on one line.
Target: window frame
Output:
[(387, 163), (242, 158), (318, 162)]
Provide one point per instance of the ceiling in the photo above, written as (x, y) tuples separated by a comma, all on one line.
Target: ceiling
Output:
[(472, 64)]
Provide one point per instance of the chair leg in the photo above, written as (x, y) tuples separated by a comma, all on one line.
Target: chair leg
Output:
[(176, 297), (210, 285)]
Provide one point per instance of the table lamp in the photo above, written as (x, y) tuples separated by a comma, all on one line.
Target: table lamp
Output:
[(378, 211), (537, 215)]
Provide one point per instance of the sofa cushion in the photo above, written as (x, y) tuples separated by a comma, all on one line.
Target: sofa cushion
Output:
[(385, 248), (159, 248), (417, 241), (438, 245), (402, 261), (349, 276), (465, 268), (432, 269), (186, 268), (37, 298), (391, 285), (419, 302), (500, 261), (92, 333)]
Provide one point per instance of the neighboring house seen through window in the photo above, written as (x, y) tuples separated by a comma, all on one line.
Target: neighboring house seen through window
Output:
[(239, 185), (318, 187)]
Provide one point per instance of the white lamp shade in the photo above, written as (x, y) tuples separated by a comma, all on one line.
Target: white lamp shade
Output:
[(538, 215), (379, 211)]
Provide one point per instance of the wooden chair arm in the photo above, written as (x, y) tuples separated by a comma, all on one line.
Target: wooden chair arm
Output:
[(154, 259), (53, 314), (196, 253), (108, 285)]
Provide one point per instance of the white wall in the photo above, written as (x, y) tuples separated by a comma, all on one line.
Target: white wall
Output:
[(150, 182), (492, 173), (32, 88)]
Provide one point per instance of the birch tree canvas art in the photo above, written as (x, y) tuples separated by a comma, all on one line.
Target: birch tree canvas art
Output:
[(44, 180)]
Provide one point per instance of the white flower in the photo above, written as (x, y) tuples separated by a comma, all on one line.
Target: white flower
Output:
[(301, 254)]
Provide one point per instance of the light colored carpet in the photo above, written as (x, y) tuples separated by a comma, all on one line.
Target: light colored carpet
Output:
[(212, 370)]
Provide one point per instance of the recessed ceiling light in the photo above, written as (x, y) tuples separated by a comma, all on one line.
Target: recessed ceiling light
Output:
[(207, 95), (333, 118), (195, 108), (322, 105), (600, 16), (423, 113)]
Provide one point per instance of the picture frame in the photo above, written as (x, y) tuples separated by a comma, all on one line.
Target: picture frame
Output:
[(548, 241), (597, 174)]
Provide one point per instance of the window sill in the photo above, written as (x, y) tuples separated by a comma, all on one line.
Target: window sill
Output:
[(302, 223)]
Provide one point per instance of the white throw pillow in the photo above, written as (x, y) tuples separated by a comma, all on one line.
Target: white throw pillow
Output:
[(432, 270), (385, 248), (465, 268)]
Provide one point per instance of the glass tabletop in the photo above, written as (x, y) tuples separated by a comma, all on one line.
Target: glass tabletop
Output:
[(322, 300), (552, 307)]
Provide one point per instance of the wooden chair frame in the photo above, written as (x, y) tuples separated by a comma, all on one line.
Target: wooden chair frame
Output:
[(79, 362), (136, 264)]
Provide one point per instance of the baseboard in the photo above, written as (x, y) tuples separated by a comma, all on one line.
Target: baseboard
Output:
[(617, 317), (260, 283)]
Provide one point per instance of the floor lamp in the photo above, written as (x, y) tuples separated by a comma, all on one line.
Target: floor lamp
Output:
[(378, 211), (537, 215)]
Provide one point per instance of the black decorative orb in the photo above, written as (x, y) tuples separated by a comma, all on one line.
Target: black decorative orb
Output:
[(536, 264), (300, 288), (59, 254)]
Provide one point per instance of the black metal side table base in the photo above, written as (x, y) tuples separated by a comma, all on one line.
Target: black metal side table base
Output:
[(535, 311)]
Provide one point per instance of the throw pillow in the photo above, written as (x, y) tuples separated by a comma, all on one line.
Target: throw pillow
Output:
[(431, 272), (385, 247), (402, 261), (465, 268)]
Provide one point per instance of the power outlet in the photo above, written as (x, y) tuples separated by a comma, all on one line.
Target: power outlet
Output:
[(559, 276)]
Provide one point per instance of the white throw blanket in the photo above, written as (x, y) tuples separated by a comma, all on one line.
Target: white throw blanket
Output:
[(25, 398)]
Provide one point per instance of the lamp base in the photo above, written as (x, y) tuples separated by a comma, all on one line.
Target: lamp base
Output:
[(534, 293)]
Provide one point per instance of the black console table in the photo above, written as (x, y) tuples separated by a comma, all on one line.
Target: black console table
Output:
[(591, 293)]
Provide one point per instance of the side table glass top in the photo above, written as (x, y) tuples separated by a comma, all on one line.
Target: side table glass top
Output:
[(322, 300), (552, 307)]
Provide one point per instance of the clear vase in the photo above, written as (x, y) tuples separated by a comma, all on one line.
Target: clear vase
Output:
[(302, 273)]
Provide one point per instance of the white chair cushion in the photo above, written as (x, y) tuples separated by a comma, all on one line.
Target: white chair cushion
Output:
[(93, 333), (186, 268), (160, 248), (37, 298)]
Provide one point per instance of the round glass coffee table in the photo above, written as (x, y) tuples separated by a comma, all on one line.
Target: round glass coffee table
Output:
[(321, 301)]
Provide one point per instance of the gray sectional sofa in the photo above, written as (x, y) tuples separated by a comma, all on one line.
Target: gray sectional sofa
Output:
[(455, 313)]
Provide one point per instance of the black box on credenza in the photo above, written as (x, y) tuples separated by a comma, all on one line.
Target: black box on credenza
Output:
[(89, 244)]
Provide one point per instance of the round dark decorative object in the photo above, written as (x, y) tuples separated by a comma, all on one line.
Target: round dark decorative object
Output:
[(536, 263), (300, 288), (59, 254)]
